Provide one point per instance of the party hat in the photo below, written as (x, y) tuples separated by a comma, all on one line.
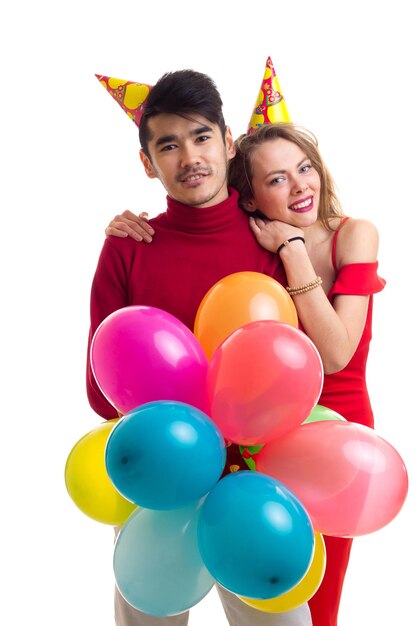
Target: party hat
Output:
[(129, 95), (270, 105)]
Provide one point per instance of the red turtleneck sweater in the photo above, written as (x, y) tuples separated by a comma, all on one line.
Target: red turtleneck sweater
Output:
[(191, 250)]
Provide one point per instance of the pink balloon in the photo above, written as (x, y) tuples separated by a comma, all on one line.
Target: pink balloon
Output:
[(351, 481), (263, 380), (140, 354)]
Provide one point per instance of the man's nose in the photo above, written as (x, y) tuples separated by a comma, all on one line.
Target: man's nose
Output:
[(190, 156)]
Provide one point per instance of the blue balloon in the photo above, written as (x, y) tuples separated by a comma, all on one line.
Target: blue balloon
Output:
[(157, 563), (164, 455), (255, 536)]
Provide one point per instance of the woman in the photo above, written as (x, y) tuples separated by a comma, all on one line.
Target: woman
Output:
[(329, 265)]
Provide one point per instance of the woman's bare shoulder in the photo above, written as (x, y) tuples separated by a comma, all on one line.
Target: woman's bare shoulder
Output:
[(357, 242)]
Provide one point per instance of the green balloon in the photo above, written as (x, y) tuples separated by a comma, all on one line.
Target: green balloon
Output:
[(323, 414)]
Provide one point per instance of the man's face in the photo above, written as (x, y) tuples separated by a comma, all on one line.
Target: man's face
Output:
[(190, 158)]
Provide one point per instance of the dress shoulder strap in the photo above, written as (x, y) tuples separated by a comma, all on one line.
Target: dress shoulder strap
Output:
[(334, 242)]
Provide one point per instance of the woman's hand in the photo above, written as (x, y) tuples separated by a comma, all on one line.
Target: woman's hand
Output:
[(130, 225), (271, 234)]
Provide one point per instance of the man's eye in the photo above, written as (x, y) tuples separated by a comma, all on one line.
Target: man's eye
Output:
[(202, 138), (168, 148)]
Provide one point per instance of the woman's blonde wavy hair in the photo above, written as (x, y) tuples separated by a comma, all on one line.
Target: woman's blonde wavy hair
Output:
[(240, 171)]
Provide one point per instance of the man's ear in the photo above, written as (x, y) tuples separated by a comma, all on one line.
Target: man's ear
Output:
[(230, 146), (147, 164)]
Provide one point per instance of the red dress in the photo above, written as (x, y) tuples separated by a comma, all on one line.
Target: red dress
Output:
[(346, 392)]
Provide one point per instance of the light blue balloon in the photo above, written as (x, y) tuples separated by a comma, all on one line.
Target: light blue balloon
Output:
[(157, 563), (164, 455), (255, 536)]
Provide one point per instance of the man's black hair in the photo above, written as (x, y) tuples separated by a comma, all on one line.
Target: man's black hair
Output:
[(183, 93)]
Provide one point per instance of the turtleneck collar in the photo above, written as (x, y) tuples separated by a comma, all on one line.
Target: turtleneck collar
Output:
[(205, 220)]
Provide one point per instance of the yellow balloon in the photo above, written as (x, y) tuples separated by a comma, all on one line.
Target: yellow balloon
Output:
[(303, 591), (88, 483)]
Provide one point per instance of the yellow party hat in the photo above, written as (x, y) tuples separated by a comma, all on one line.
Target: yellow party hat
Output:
[(270, 106), (129, 95)]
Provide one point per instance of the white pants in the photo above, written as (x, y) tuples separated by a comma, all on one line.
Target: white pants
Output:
[(237, 612)]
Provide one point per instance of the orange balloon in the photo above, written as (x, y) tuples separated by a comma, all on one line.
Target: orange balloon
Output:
[(240, 299)]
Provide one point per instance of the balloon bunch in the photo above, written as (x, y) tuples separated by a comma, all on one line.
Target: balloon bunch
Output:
[(246, 376)]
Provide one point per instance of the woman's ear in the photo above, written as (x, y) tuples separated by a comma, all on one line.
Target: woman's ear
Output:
[(249, 205)]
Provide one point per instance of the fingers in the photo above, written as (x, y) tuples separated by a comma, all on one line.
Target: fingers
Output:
[(260, 222), (253, 226), (130, 225), (256, 224), (112, 231)]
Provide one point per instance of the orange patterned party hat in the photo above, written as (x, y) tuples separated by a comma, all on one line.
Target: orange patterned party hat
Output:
[(129, 95), (270, 105)]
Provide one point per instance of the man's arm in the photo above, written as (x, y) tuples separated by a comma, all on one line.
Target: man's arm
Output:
[(109, 292)]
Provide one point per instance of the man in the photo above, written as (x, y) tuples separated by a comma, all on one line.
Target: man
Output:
[(202, 237)]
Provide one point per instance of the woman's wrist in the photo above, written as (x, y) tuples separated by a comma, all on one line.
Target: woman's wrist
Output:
[(292, 243), (303, 288)]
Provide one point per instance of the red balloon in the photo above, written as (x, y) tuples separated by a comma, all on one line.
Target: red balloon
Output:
[(351, 481), (141, 354), (263, 380)]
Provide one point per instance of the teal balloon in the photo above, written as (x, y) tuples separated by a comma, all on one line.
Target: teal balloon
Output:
[(323, 414), (157, 564), (255, 536), (165, 455)]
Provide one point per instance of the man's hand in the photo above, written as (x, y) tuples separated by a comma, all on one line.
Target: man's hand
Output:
[(130, 225)]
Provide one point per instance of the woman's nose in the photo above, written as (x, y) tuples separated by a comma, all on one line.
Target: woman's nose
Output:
[(299, 186)]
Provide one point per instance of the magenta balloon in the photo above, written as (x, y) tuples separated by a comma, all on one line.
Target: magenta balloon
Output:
[(263, 380), (351, 481), (141, 354)]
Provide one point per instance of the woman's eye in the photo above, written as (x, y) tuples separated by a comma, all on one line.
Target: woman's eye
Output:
[(306, 168), (277, 180)]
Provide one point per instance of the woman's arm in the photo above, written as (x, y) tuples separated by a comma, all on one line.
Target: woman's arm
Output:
[(130, 225), (335, 330)]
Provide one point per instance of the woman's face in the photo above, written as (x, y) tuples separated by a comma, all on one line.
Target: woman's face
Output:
[(285, 185)]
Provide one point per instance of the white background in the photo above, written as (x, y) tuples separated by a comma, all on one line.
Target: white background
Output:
[(69, 162)]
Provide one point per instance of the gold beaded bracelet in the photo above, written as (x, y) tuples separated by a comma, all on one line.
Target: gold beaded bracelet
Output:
[(295, 291)]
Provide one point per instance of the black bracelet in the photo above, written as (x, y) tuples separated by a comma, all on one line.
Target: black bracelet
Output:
[(287, 241)]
